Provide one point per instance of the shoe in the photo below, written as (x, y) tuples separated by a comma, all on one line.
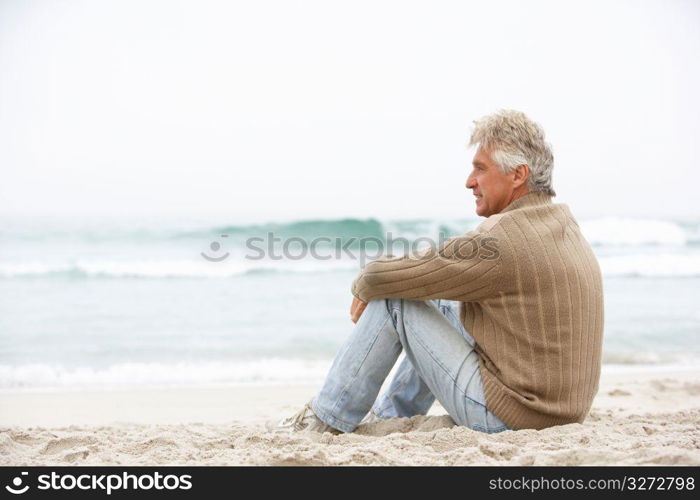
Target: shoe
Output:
[(303, 420), (371, 418)]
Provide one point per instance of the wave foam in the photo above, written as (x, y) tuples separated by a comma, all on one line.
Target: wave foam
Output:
[(269, 371), (39, 376), (617, 231), (169, 269), (651, 265), (645, 265)]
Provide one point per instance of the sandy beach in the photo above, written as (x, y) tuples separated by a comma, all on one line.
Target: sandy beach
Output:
[(639, 418)]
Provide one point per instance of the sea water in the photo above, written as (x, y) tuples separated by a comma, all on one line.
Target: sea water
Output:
[(97, 303)]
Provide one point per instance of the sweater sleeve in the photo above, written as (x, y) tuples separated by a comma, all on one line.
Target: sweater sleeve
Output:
[(464, 268)]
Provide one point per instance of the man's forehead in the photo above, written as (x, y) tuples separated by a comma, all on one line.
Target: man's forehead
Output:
[(480, 157), (479, 162)]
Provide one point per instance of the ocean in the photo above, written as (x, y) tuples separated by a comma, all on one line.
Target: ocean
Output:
[(110, 303)]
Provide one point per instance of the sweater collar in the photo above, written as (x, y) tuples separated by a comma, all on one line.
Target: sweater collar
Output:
[(532, 199)]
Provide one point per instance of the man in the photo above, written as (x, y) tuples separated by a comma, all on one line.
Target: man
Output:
[(502, 325)]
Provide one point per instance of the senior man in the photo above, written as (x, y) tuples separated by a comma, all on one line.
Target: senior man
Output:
[(503, 325)]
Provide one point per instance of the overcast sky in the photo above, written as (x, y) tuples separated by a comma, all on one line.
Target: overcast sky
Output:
[(279, 110)]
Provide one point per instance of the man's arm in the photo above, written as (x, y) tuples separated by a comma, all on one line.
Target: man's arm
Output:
[(464, 268)]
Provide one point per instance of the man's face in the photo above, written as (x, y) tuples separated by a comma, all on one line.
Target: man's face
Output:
[(493, 189)]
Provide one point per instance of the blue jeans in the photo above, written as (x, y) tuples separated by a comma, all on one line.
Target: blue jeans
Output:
[(440, 363)]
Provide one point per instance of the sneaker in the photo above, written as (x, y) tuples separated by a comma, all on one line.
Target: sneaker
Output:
[(303, 420), (371, 418)]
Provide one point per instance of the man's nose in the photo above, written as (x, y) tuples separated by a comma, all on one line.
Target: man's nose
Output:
[(471, 183)]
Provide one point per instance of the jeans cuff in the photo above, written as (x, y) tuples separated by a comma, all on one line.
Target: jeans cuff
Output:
[(328, 419)]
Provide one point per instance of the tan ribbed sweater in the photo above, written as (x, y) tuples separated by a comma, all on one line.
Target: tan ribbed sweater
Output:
[(532, 299)]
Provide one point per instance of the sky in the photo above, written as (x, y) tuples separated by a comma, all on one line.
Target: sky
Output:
[(282, 110)]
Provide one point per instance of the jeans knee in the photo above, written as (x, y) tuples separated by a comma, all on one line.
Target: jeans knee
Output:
[(388, 305), (419, 306), (378, 304)]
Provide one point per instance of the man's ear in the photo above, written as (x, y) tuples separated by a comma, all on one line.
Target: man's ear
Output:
[(521, 173)]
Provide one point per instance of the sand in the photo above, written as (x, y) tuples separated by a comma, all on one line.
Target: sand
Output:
[(638, 418)]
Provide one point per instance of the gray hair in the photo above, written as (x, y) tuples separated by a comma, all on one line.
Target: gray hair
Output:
[(513, 139)]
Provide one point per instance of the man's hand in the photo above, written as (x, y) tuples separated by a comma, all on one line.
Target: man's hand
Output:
[(356, 309)]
